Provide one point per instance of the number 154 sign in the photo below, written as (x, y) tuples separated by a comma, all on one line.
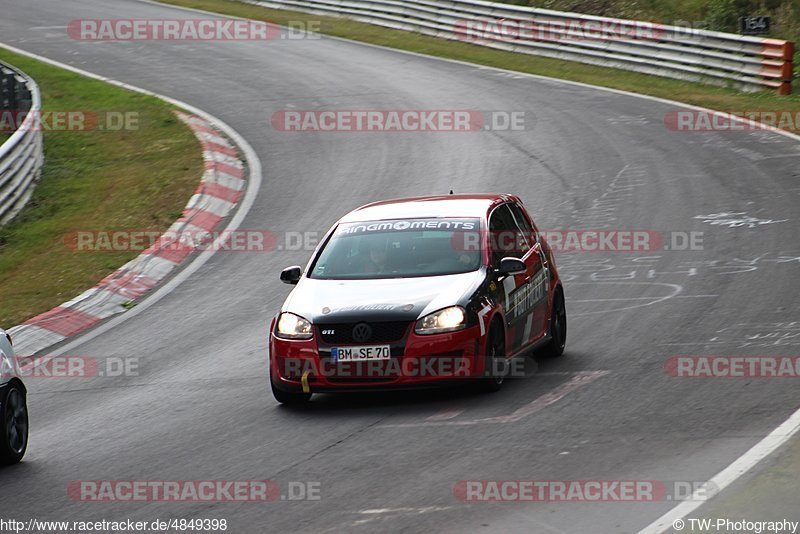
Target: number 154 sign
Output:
[(754, 25)]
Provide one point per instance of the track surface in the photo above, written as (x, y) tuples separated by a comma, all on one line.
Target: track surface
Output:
[(201, 408)]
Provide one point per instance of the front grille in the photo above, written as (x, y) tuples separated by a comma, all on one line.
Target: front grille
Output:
[(382, 332)]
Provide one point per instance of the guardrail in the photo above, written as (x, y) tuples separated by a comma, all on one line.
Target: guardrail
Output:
[(747, 63), (21, 155)]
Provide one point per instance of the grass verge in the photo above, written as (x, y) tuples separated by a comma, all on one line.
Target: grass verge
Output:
[(770, 494), (693, 93), (135, 178)]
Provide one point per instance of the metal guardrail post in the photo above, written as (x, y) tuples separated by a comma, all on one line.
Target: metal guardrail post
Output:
[(22, 154), (8, 93)]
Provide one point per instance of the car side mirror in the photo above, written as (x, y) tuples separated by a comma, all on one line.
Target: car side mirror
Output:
[(510, 266), (291, 275)]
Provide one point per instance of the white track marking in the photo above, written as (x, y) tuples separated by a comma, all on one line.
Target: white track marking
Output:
[(378, 514), (735, 220), (540, 403), (422, 510), (724, 478), (578, 380), (676, 289), (645, 298), (445, 414)]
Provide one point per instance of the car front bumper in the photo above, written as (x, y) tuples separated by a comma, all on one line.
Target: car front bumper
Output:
[(416, 362)]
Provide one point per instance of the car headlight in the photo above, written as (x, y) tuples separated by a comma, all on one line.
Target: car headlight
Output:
[(445, 320), (291, 326)]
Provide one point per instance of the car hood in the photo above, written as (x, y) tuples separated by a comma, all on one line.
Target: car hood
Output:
[(393, 299)]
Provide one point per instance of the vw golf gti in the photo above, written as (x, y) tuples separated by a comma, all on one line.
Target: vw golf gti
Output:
[(418, 292)]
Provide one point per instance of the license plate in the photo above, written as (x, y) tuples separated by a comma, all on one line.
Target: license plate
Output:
[(357, 354)]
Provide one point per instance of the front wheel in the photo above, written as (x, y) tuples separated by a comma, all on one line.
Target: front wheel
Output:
[(558, 328), (289, 397), (14, 421), (496, 364)]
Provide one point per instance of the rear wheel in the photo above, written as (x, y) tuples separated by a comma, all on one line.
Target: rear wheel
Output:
[(558, 328), (496, 364), (14, 429), (289, 397)]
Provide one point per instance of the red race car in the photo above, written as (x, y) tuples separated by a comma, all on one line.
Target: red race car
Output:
[(418, 292)]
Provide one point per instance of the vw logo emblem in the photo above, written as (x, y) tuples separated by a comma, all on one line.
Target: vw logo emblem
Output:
[(362, 332)]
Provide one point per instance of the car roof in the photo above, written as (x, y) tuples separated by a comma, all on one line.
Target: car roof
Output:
[(461, 205)]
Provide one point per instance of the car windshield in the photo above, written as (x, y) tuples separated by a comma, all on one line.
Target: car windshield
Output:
[(400, 248)]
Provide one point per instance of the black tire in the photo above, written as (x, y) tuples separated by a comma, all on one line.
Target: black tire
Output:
[(289, 397), (496, 364), (558, 328), (13, 425)]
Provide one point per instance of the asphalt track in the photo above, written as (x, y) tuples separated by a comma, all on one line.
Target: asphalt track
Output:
[(201, 407)]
